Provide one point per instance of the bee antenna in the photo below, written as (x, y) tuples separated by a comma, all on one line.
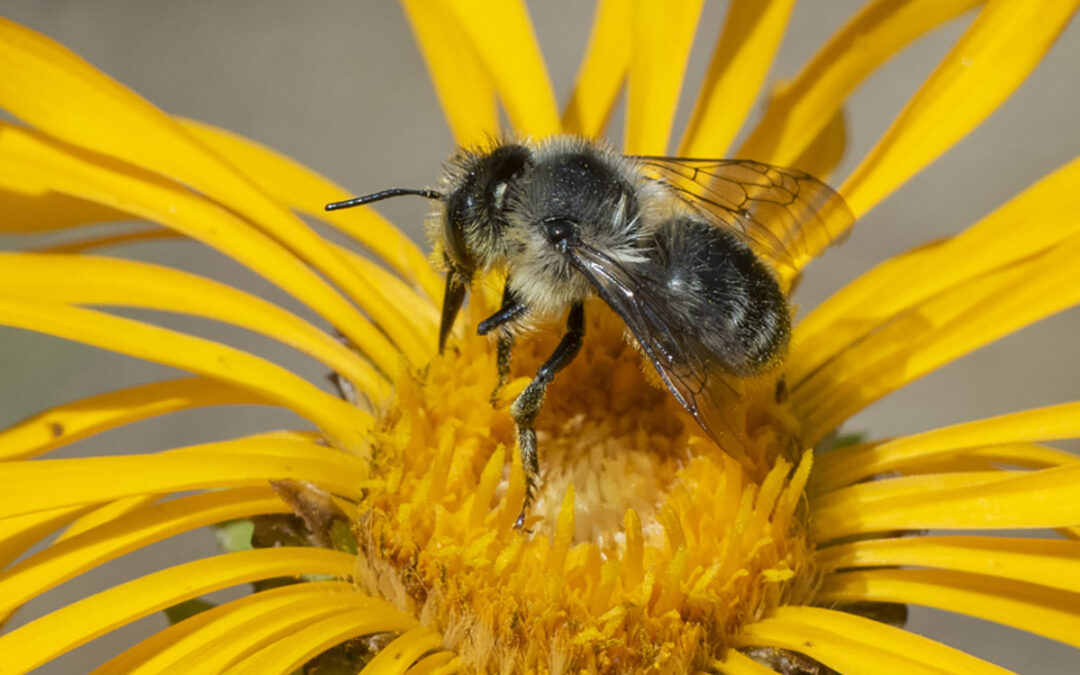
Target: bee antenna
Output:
[(385, 194)]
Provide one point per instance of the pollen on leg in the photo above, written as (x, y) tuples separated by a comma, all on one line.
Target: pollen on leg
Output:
[(646, 545)]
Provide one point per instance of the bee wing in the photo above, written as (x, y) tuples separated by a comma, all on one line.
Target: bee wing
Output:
[(787, 216), (689, 369)]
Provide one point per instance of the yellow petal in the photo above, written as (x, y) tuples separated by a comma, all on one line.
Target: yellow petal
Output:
[(871, 634), (245, 462), (996, 54), (396, 657), (110, 240), (803, 107), (19, 533), (740, 61), (292, 651), (502, 36), (51, 88), (737, 663), (825, 151), (236, 640), (429, 664), (602, 71), (465, 89), (1045, 498), (37, 574), (1030, 223), (1046, 562), (307, 192), (70, 422), (662, 32), (178, 643), (33, 644), (41, 210), (148, 196), (936, 332), (851, 464), (1044, 611), (340, 420), (838, 650), (89, 280)]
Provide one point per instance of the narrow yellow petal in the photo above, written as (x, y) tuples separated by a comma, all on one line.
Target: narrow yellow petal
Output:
[(1044, 611), (51, 88), (91, 280), (70, 422), (996, 54), (35, 575), (898, 641), (800, 109), (1004, 500), (825, 151), (396, 657), (148, 196), (429, 664), (178, 642), (840, 651), (291, 651), (106, 513), (32, 644), (465, 88), (343, 422), (305, 191), (41, 210), (18, 533), (110, 240), (743, 55), (1030, 223), (989, 457), (224, 644), (602, 71), (936, 332), (246, 462), (1046, 562), (849, 465), (502, 35), (662, 32), (737, 663)]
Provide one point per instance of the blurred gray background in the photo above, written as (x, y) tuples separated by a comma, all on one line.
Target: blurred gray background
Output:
[(340, 87)]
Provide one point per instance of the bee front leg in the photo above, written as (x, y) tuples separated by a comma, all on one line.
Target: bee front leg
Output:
[(528, 403), (502, 364), (510, 310)]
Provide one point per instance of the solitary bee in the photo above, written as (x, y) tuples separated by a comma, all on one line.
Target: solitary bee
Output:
[(694, 255)]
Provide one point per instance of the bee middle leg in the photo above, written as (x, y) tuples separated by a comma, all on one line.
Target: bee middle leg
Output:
[(528, 403)]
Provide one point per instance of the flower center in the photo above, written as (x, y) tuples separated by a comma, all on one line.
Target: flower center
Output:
[(645, 545)]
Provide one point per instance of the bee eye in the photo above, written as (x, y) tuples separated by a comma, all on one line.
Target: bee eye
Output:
[(560, 230), (458, 207)]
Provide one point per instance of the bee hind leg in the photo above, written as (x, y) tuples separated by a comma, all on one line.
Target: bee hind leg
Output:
[(528, 403)]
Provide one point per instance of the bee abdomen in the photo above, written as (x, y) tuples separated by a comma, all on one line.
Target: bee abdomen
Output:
[(721, 293)]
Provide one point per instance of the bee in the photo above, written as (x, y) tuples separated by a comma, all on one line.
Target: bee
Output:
[(696, 257)]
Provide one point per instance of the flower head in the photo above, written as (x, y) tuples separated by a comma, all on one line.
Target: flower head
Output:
[(648, 548)]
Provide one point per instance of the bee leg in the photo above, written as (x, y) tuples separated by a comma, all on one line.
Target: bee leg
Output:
[(510, 310), (502, 355), (528, 403)]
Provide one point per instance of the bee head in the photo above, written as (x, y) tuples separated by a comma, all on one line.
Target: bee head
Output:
[(474, 218)]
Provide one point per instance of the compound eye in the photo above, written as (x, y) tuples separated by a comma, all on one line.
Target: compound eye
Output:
[(560, 230), (458, 207)]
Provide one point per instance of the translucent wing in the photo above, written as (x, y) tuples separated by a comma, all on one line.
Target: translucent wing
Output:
[(689, 369), (787, 216)]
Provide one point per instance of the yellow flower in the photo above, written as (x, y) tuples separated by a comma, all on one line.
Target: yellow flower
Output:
[(650, 550)]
